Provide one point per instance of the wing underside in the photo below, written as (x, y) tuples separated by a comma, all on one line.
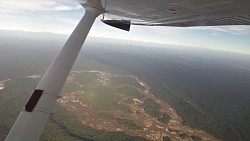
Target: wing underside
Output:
[(182, 13)]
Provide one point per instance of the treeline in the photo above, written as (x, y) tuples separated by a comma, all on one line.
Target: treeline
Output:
[(70, 127), (129, 124), (153, 109), (164, 119)]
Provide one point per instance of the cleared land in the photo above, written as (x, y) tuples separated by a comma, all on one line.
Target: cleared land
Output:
[(123, 103)]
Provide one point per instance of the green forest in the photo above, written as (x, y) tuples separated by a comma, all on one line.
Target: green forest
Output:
[(201, 85)]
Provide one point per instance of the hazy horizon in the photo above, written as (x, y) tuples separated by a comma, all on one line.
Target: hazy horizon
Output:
[(6, 35)]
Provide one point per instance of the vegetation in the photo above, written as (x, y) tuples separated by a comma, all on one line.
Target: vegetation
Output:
[(183, 136), (130, 91), (105, 117), (205, 90), (164, 119), (129, 124), (119, 80), (166, 138), (195, 138), (151, 107), (70, 87), (173, 130), (70, 126), (87, 78), (201, 96), (110, 102), (12, 99), (62, 126)]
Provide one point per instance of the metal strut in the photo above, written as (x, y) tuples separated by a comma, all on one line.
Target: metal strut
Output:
[(32, 120)]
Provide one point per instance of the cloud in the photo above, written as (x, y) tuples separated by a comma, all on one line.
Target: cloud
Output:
[(60, 18), (57, 16), (237, 29), (65, 7), (232, 29), (12, 6)]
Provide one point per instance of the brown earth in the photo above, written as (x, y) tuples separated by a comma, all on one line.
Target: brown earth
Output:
[(105, 119)]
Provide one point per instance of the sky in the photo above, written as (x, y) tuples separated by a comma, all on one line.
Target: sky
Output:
[(62, 16)]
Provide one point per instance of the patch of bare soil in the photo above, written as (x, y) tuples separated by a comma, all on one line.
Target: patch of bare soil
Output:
[(151, 128)]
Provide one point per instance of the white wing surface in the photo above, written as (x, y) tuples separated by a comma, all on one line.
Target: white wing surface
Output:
[(181, 13)]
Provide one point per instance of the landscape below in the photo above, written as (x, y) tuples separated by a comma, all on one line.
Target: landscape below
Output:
[(207, 90), (123, 103), (111, 104)]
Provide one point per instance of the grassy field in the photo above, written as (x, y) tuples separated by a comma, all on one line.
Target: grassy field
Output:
[(130, 91), (105, 101), (105, 117), (87, 78), (70, 87), (129, 124)]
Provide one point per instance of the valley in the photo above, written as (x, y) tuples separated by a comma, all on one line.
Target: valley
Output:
[(117, 103)]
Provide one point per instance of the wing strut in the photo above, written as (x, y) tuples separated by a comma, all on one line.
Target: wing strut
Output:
[(32, 120)]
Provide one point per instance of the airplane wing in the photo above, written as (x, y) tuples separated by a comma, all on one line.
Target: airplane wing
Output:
[(181, 13), (121, 14)]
